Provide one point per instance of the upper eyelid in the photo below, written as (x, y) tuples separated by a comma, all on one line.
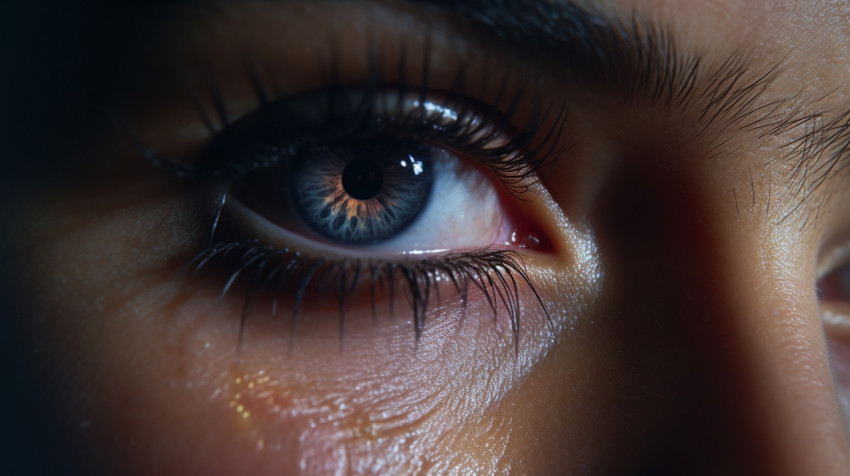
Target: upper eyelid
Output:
[(639, 59), (425, 115), (506, 90), (431, 51)]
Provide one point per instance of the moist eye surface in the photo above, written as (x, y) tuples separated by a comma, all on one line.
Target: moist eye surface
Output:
[(362, 192)]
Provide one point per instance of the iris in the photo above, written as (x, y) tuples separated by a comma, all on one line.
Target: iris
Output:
[(362, 192)]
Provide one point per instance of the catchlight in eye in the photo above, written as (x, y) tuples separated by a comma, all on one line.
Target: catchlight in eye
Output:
[(362, 192)]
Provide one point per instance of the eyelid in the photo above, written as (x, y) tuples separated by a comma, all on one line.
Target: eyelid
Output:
[(279, 129), (422, 68)]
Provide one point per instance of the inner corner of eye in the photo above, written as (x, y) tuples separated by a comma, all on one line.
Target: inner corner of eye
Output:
[(519, 230)]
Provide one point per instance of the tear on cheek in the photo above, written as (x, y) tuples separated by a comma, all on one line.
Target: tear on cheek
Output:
[(297, 427), (287, 429)]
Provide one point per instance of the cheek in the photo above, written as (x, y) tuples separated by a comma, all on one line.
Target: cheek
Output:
[(152, 371), (376, 401), (197, 401)]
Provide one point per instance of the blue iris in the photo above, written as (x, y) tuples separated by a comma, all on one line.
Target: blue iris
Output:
[(363, 192)]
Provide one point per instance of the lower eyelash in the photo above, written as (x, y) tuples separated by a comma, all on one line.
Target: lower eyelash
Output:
[(498, 274)]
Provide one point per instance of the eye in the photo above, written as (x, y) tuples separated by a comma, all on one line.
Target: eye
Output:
[(833, 291), (370, 190), (403, 181), (834, 288)]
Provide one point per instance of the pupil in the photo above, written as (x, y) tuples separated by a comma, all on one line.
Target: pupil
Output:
[(362, 179), (360, 192)]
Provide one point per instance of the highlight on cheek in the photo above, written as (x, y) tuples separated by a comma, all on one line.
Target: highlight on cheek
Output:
[(274, 415), (304, 427)]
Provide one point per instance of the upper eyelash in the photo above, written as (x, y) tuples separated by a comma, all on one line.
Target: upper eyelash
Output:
[(527, 153)]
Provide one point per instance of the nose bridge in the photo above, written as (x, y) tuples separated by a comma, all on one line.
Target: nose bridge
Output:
[(728, 336), (773, 366)]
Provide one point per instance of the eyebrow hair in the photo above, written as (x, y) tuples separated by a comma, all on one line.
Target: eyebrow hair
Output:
[(588, 46), (641, 60), (822, 153), (633, 56)]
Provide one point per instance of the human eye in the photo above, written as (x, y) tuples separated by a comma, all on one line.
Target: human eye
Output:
[(391, 176), (834, 285), (833, 291), (372, 187)]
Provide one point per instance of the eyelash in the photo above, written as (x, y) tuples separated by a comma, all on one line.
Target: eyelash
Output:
[(528, 152), (496, 273)]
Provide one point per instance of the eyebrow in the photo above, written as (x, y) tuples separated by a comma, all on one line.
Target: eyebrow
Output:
[(636, 57), (633, 56), (641, 60)]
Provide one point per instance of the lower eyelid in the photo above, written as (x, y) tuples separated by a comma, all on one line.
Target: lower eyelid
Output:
[(318, 285)]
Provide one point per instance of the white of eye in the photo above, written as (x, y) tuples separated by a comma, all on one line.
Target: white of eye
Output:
[(463, 212)]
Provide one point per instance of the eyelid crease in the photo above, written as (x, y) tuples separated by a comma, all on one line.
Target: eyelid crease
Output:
[(482, 130)]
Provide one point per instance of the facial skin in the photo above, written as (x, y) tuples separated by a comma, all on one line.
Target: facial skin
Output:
[(693, 318)]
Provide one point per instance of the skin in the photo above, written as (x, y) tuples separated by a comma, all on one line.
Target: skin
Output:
[(686, 333)]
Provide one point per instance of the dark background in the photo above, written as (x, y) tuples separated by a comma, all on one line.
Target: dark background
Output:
[(60, 61)]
